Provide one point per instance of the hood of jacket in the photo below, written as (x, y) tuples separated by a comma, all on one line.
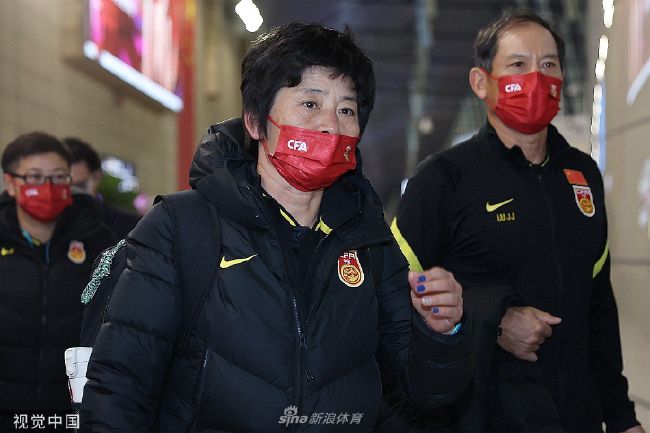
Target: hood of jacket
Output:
[(227, 176)]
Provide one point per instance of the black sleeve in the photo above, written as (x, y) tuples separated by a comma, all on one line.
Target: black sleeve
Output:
[(605, 350), (422, 225), (424, 228), (135, 346), (430, 368)]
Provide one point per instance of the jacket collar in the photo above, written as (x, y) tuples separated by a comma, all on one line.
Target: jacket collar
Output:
[(226, 175), (556, 145)]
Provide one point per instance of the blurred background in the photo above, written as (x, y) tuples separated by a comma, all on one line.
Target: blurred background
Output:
[(142, 79)]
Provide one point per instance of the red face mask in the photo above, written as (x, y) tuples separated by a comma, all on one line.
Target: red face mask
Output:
[(527, 103), (44, 202), (309, 160)]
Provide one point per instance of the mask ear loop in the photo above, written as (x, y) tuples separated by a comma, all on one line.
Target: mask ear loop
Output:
[(265, 141), (491, 77), (273, 121), (488, 74)]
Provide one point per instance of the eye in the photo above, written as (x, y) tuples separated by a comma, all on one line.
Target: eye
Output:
[(61, 178), (517, 64), (348, 112), (549, 65), (35, 178), (310, 105)]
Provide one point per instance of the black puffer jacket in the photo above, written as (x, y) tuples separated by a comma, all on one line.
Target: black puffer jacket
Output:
[(263, 349), (40, 312)]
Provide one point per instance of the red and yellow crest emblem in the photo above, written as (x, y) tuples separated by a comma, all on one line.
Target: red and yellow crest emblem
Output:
[(350, 271), (584, 199), (77, 252)]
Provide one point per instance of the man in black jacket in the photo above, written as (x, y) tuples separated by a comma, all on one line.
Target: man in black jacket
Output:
[(519, 217), (48, 241), (312, 292), (86, 171)]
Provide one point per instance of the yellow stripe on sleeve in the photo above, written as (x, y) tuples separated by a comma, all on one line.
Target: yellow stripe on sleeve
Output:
[(414, 263), (598, 266)]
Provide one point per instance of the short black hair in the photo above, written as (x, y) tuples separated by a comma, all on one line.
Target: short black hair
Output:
[(33, 143), (81, 151), (485, 44), (278, 59)]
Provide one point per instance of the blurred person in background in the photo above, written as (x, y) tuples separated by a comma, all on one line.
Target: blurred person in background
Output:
[(300, 316), (86, 170), (48, 241), (518, 216)]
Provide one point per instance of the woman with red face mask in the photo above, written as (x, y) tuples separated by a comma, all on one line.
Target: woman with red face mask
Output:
[(48, 241), (312, 295)]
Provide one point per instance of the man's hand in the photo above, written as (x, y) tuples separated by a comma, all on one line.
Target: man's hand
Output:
[(438, 297), (524, 329), (635, 429)]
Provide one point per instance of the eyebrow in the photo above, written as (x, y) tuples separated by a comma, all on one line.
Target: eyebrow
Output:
[(38, 170), (525, 56), (308, 90)]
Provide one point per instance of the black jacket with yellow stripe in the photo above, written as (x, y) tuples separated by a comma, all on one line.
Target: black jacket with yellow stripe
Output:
[(514, 233), (266, 354), (40, 311)]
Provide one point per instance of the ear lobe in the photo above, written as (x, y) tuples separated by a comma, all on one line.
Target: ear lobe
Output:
[(251, 126), (10, 187), (478, 81)]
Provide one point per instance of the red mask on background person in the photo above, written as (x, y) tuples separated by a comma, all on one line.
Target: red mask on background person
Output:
[(309, 160), (44, 202), (527, 103)]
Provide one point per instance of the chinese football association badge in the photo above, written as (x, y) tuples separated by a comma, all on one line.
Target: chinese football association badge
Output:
[(581, 191), (584, 200), (77, 252), (350, 271)]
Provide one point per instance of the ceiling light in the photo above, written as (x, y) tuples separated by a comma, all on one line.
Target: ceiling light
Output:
[(249, 14), (608, 13), (600, 69), (602, 47)]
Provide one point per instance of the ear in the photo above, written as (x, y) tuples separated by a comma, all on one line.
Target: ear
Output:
[(478, 81), (97, 177), (251, 126), (10, 186)]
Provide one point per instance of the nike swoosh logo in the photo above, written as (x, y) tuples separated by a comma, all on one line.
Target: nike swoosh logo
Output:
[(228, 263), (492, 207)]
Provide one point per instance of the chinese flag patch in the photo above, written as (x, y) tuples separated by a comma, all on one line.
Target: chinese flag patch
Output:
[(575, 177)]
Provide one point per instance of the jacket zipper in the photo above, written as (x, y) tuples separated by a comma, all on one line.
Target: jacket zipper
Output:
[(302, 340), (302, 343), (41, 352), (199, 393), (344, 247), (558, 268)]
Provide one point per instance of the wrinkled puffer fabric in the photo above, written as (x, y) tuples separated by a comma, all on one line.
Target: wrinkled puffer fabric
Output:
[(265, 355)]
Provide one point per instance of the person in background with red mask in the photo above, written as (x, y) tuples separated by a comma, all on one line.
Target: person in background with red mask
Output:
[(312, 294), (48, 241), (518, 216)]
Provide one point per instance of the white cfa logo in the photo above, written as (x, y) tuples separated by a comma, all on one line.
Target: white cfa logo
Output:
[(31, 192), (291, 416), (300, 146), (514, 87)]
